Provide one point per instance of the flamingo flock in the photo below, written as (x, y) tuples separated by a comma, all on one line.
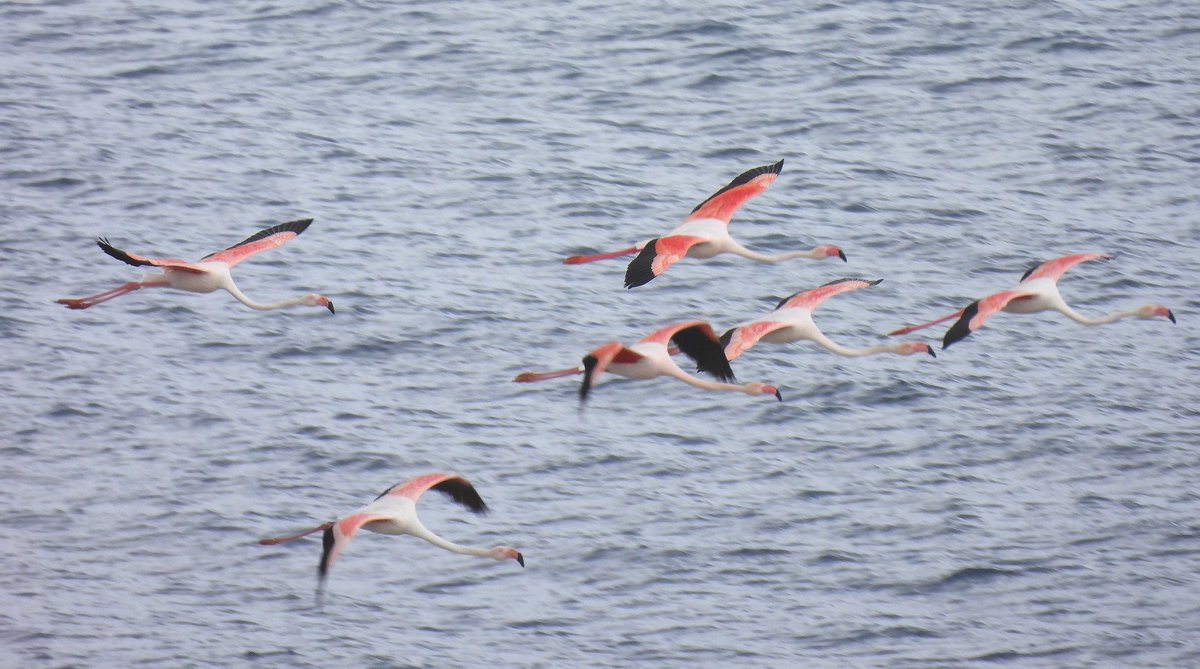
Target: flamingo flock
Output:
[(703, 234)]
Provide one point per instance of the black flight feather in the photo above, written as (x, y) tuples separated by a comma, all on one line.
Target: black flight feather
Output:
[(589, 364), (744, 178), (463, 493), (298, 226), (961, 327), (640, 271), (327, 547), (121, 255), (708, 354)]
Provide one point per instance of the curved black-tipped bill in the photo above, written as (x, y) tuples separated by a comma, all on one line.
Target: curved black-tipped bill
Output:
[(1171, 315), (330, 305), (521, 560), (778, 395), (842, 255), (931, 352)]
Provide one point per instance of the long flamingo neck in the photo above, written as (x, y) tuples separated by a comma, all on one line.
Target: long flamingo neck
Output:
[(834, 347), (420, 531), (1107, 318), (241, 297), (709, 385)]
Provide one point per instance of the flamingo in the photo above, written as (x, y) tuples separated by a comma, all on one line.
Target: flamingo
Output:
[(650, 358), (394, 511), (1036, 291), (705, 233), (792, 321), (207, 275)]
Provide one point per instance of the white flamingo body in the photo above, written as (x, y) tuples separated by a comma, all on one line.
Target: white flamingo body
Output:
[(207, 275), (394, 512), (1037, 291), (705, 233), (792, 321), (650, 358)]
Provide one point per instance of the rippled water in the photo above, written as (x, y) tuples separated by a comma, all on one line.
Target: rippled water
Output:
[(1028, 498)]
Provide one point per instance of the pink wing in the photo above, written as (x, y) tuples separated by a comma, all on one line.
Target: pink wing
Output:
[(976, 313), (139, 261), (739, 340), (453, 485), (598, 360), (260, 241), (723, 203), (809, 299), (1054, 269), (657, 256), (338, 535)]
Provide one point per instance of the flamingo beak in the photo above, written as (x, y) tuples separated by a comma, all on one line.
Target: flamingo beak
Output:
[(330, 306), (521, 560), (1170, 315), (778, 395), (842, 255), (930, 352)]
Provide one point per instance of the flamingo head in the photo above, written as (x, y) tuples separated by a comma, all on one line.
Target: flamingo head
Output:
[(829, 252), (910, 347), (502, 553), (762, 389), (1155, 311), (314, 300)]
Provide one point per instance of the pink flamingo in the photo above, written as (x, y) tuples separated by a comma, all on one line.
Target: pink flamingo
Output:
[(209, 274), (705, 233), (650, 358), (1037, 291), (394, 511), (792, 321)]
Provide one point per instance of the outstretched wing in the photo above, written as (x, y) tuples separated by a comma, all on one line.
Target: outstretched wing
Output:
[(656, 256), (1054, 269), (723, 203), (740, 339), (454, 486), (598, 360), (696, 340), (809, 299), (701, 344), (976, 313), (260, 241), (338, 535), (139, 261)]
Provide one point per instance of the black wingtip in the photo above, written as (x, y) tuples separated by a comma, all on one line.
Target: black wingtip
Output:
[(463, 493), (727, 337), (961, 327), (326, 548), (117, 253), (585, 386), (641, 269)]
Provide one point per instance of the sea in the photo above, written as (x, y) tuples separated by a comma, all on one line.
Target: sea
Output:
[(1029, 498)]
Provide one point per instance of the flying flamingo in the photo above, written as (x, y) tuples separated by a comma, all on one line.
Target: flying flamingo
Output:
[(394, 511), (792, 321), (650, 358), (705, 233), (1037, 291), (207, 275)]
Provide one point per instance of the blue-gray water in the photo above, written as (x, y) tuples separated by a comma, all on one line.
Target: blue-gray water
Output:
[(1027, 499)]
